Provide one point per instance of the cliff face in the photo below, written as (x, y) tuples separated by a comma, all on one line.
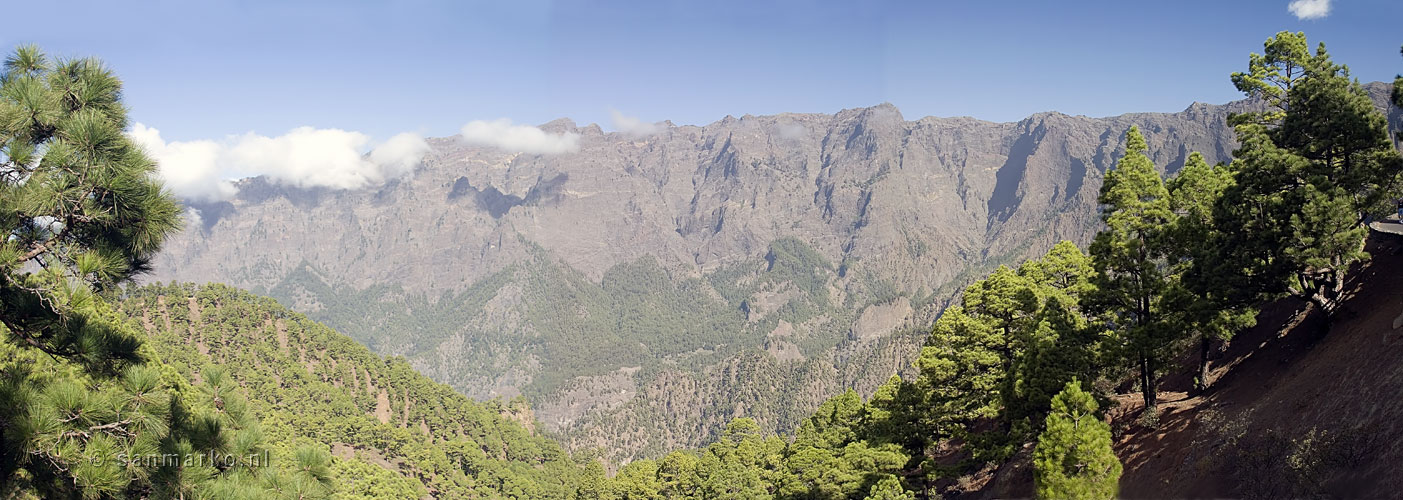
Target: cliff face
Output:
[(646, 289)]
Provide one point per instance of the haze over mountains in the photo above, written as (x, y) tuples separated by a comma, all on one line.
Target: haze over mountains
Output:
[(645, 289)]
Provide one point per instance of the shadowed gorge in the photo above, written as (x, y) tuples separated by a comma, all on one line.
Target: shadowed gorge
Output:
[(1005, 199)]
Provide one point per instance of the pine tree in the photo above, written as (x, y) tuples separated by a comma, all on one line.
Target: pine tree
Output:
[(680, 475), (829, 459), (1310, 172), (889, 488), (1073, 458), (638, 480), (1062, 344), (897, 414), (79, 204), (595, 484), (744, 464), (966, 364), (1133, 275), (82, 215), (1398, 88), (834, 424), (85, 410), (1013, 341), (974, 346), (1204, 303)]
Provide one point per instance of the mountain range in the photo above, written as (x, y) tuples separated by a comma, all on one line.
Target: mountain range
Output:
[(644, 290)]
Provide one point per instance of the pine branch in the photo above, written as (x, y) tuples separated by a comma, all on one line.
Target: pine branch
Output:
[(32, 342), (39, 248), (113, 425)]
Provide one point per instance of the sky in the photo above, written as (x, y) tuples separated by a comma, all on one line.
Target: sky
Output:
[(215, 79)]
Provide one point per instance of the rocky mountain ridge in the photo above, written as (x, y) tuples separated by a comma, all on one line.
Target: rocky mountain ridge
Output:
[(643, 290)]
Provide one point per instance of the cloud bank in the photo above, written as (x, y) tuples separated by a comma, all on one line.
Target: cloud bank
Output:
[(633, 126), (304, 157), (501, 134), (1309, 9)]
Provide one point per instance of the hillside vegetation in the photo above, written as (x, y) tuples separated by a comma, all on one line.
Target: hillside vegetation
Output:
[(642, 361), (393, 432)]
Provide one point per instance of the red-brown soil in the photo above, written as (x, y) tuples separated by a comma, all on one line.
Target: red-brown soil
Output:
[(1295, 409)]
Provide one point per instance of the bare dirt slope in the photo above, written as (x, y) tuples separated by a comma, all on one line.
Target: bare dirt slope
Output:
[(1296, 410)]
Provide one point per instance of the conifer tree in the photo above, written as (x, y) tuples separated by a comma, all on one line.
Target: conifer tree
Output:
[(889, 488), (1310, 171), (1062, 343), (595, 484), (1132, 270), (81, 214), (638, 480), (1013, 341), (1073, 458), (1398, 88), (974, 346), (84, 409), (679, 474), (1062, 346), (829, 459), (897, 414), (743, 464), (78, 204), (967, 361), (1203, 303)]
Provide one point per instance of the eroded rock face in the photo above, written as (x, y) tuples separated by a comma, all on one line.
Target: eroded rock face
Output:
[(477, 245)]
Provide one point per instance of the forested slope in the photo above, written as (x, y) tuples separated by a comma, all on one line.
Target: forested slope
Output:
[(393, 432)]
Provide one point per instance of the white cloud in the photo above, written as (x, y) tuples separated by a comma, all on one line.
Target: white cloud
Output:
[(400, 154), (190, 169), (304, 157), (308, 157), (791, 131), (1309, 9), (501, 134), (194, 220), (633, 126)]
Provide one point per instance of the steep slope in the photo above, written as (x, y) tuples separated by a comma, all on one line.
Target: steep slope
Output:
[(1297, 408), (393, 432), (1300, 409), (639, 291)]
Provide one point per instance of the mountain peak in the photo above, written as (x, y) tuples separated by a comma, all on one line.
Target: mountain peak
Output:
[(560, 125)]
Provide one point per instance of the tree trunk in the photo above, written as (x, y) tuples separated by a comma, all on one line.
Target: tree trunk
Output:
[(1325, 293), (1337, 292), (1147, 383), (1325, 304), (1203, 349)]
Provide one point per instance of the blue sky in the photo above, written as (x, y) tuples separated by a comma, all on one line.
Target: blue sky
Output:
[(208, 69)]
